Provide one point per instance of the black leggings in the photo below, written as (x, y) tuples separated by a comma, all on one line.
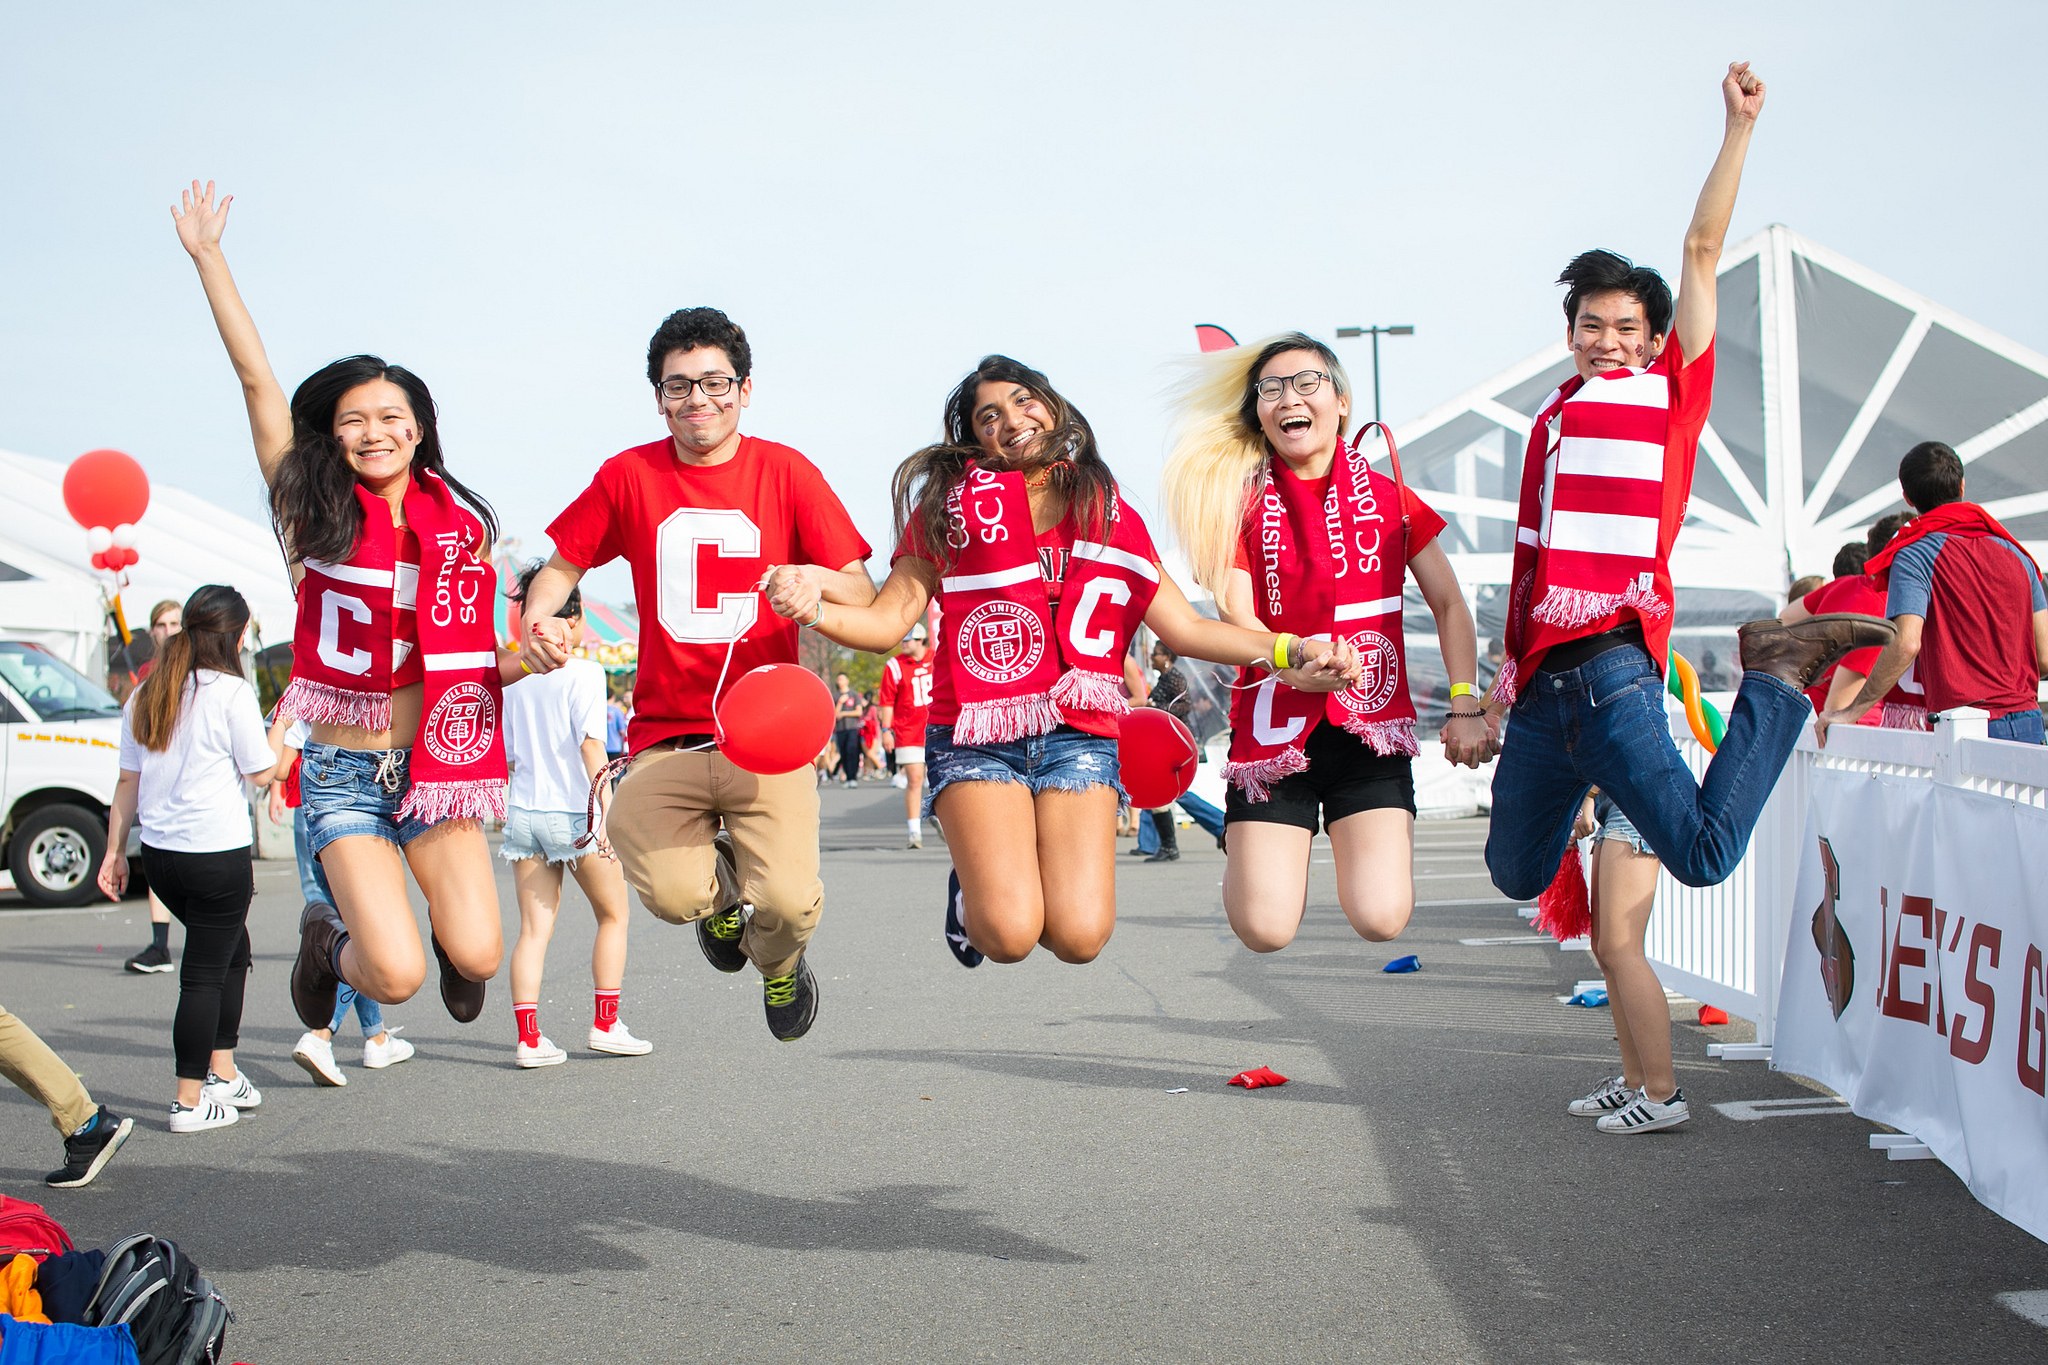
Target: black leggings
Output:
[(849, 753), (209, 893)]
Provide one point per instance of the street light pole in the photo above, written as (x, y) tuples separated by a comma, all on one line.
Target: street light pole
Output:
[(1376, 332)]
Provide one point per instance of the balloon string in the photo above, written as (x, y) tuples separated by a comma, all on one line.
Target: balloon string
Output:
[(718, 690)]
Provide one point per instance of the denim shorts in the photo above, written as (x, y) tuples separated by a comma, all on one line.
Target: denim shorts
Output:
[(1067, 760), (549, 834), (347, 792), (1616, 826)]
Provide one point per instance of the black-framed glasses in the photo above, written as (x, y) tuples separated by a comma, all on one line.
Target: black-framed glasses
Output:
[(676, 388), (1305, 383)]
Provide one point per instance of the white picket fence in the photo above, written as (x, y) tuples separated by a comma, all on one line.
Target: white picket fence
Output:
[(1724, 945)]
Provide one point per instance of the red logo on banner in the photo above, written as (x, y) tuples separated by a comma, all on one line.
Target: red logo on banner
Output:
[(462, 725)]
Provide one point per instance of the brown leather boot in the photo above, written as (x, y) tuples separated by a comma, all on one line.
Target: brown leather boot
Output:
[(1799, 653)]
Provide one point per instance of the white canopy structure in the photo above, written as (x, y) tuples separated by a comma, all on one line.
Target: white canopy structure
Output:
[(1826, 374), (49, 594)]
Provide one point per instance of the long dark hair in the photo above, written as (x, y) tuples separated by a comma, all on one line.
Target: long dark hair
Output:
[(313, 506), (923, 481), (215, 617)]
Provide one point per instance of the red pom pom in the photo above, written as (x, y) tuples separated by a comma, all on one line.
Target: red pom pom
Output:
[(775, 719), (1562, 911), (1156, 757)]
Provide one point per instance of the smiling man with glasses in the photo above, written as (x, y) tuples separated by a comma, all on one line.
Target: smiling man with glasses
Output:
[(701, 516)]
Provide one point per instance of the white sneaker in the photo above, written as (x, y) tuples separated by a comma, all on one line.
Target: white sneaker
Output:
[(390, 1052), (619, 1041), (547, 1054), (1645, 1115), (236, 1094), (206, 1114), (1612, 1094), (316, 1055), (917, 839), (900, 781)]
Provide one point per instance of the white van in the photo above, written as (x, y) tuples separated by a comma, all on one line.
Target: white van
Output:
[(60, 757)]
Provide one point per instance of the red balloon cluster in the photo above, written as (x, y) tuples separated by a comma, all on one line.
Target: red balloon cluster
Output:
[(1156, 755), (775, 719), (106, 492)]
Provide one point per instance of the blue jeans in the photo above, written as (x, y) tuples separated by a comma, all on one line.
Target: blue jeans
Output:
[(313, 887), (1603, 724), (1204, 814), (2023, 726)]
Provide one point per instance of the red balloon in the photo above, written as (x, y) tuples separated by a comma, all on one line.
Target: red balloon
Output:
[(99, 559), (775, 719), (130, 556), (1157, 756), (105, 488)]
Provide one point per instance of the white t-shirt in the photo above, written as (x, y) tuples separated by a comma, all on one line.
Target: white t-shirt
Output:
[(547, 718), (192, 799)]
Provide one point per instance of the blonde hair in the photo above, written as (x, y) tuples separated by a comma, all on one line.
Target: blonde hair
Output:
[(1218, 460)]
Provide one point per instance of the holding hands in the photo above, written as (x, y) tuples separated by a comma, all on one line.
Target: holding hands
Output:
[(794, 591), (546, 646), (1326, 666)]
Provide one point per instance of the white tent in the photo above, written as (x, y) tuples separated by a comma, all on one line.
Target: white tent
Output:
[(1826, 373), (184, 541)]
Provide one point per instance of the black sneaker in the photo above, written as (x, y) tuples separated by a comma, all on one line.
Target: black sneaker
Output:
[(792, 1002), (956, 925), (718, 933), (150, 961), (1165, 855), (313, 978), (463, 997), (85, 1153)]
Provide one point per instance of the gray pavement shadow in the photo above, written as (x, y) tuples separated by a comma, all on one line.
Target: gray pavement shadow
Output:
[(539, 1213), (1079, 1069)]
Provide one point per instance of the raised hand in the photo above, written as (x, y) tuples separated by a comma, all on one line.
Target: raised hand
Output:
[(200, 219), (1742, 91)]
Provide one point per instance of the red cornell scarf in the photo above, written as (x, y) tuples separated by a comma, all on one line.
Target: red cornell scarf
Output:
[(1015, 665), (1589, 545), (345, 648), (1324, 569)]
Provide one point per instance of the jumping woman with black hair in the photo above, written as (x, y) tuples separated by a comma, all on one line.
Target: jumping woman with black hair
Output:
[(1043, 572), (1291, 529), (189, 736), (394, 660)]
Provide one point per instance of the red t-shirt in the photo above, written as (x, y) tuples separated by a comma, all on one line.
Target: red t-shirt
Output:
[(1858, 594), (907, 689), (698, 539), (1424, 525), (1055, 548)]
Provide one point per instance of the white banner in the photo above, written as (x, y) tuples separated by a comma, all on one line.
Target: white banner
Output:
[(1914, 982)]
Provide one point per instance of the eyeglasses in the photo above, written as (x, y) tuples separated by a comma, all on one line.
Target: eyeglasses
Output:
[(677, 389), (1305, 383)]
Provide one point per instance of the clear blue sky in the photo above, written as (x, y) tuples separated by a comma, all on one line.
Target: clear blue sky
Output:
[(509, 197)]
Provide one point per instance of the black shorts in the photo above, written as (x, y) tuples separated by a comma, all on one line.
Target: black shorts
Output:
[(1344, 777)]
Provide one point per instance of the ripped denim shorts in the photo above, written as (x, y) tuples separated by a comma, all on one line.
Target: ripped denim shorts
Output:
[(1067, 760)]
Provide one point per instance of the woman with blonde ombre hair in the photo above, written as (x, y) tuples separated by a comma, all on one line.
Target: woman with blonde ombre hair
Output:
[(1291, 531)]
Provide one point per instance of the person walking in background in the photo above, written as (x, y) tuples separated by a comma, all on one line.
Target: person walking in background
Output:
[(554, 735), (1968, 602), (902, 702), (1169, 692), (166, 619), (92, 1132), (314, 1052), (848, 706), (618, 714), (190, 736)]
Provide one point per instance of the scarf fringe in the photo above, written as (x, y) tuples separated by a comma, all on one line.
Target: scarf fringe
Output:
[(323, 704), (1563, 911), (1257, 776), (1385, 737), (1006, 718), (1575, 608), (1646, 601), (1083, 689), (1899, 715), (433, 802), (1505, 683)]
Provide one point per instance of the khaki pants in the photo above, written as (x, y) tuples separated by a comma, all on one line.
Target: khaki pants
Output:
[(28, 1061), (661, 824)]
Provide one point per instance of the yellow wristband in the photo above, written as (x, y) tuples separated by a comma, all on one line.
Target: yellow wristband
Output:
[(1462, 690), (1283, 645)]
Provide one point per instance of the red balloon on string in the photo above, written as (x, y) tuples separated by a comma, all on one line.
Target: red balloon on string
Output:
[(1157, 756), (99, 559), (775, 719), (105, 488)]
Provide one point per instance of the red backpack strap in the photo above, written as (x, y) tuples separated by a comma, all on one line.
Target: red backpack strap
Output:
[(1394, 457)]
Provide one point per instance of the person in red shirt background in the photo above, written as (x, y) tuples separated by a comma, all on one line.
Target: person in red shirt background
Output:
[(1905, 706), (701, 516), (902, 701)]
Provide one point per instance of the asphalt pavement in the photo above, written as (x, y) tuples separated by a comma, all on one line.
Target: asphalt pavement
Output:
[(1032, 1162)]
